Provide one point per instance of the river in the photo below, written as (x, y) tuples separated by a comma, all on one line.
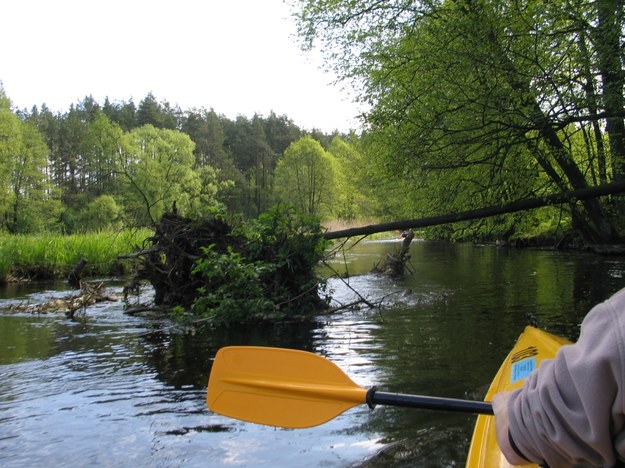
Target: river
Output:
[(109, 389)]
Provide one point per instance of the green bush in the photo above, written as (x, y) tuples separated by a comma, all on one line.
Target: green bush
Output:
[(233, 290), (273, 276)]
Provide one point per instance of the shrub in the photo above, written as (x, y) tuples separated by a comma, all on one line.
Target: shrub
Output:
[(273, 276)]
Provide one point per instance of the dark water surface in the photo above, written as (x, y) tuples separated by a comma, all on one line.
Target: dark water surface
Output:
[(114, 390)]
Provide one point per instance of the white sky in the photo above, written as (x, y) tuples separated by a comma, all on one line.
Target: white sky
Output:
[(236, 56)]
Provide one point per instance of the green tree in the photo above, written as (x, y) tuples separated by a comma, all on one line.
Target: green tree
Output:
[(124, 114), (480, 102), (353, 199), (157, 165), (304, 177), (211, 157), (10, 143), (100, 148), (67, 161), (160, 115), (100, 214), (280, 132), (34, 205), (264, 163), (27, 201)]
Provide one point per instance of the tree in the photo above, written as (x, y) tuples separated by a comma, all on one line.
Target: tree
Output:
[(101, 213), (481, 101), (211, 157), (35, 206), (264, 163), (353, 200), (10, 142), (100, 147), (27, 199), (157, 165), (160, 115), (124, 113), (68, 161), (280, 132), (305, 176)]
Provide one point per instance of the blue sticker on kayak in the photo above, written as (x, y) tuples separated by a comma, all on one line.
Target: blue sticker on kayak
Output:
[(521, 369)]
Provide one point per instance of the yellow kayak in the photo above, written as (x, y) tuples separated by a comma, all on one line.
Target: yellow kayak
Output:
[(531, 348)]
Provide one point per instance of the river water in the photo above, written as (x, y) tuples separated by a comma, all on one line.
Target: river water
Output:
[(109, 389)]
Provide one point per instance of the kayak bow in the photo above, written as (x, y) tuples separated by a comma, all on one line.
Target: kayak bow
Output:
[(532, 347)]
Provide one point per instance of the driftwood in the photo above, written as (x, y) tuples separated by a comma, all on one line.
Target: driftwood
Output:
[(348, 306), (90, 293)]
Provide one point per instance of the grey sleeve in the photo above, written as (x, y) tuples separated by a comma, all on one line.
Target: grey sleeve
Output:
[(572, 409)]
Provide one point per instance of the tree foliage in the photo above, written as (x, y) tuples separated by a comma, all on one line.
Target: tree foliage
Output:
[(354, 197), (158, 169), (482, 101), (26, 196), (133, 162), (305, 177)]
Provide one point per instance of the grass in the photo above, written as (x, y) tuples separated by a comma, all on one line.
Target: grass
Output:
[(48, 256)]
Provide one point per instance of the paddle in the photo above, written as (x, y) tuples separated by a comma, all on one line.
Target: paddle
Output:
[(295, 389)]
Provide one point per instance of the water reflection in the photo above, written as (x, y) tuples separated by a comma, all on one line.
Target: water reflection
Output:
[(117, 390)]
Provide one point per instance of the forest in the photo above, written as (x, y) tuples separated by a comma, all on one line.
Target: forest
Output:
[(472, 103), (112, 165)]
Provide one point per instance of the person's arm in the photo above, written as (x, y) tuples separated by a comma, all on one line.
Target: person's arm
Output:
[(570, 410), (504, 438)]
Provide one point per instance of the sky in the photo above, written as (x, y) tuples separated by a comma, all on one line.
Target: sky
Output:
[(239, 57)]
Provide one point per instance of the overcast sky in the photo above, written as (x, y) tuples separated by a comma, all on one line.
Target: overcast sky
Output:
[(239, 57)]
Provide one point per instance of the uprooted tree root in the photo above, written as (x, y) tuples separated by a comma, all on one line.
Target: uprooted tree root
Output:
[(167, 260)]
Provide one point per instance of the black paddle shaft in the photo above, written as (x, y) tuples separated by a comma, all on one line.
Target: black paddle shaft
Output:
[(426, 402)]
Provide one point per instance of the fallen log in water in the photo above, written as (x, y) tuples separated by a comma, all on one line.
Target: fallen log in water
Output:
[(487, 212)]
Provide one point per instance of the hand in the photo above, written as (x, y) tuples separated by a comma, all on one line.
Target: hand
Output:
[(500, 408)]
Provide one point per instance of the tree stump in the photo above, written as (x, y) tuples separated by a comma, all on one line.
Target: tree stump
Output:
[(74, 276), (395, 263)]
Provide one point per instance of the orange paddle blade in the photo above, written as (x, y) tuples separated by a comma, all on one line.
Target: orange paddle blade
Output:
[(279, 387)]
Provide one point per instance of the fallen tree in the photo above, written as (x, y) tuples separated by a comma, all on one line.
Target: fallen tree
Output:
[(212, 271), (520, 205), (266, 269), (168, 257)]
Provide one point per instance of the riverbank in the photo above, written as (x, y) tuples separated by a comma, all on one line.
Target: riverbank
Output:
[(52, 256)]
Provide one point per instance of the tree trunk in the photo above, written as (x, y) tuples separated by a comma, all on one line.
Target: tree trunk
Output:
[(607, 41), (520, 205)]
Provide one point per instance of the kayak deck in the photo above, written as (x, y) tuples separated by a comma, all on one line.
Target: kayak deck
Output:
[(532, 347)]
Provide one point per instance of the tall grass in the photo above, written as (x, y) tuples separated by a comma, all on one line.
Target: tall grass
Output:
[(54, 255)]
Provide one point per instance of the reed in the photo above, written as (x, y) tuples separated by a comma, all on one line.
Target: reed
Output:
[(47, 256)]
